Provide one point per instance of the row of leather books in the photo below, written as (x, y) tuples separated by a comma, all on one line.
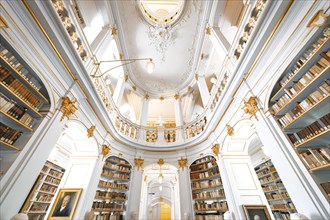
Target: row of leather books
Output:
[(112, 185), (18, 66), (8, 134), (305, 57), (107, 206), (291, 92), (208, 194), (315, 157), (111, 174), (203, 206), (319, 126), (109, 195), (19, 89), (206, 184), (303, 106), (18, 112), (211, 172)]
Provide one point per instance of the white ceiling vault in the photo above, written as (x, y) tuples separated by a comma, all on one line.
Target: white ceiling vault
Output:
[(180, 50), (172, 48)]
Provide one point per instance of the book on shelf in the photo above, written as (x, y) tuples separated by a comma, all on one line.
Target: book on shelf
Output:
[(315, 157), (9, 135), (326, 187)]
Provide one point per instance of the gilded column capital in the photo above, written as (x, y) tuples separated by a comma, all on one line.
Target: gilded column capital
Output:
[(67, 107), (182, 163), (230, 130), (105, 150), (251, 107), (138, 162)]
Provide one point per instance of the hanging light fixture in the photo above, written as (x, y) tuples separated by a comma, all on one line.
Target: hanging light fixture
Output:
[(150, 65)]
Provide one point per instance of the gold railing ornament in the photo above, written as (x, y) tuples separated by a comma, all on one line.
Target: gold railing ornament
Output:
[(105, 150), (230, 130), (161, 162), (68, 108), (182, 163), (251, 106), (90, 131), (215, 149), (138, 162)]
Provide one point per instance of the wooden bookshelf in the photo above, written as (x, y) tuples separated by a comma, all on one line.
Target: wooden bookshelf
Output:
[(275, 191), (43, 191), (22, 97), (207, 190), (112, 193), (300, 101)]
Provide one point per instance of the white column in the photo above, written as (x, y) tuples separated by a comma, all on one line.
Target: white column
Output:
[(144, 111), (101, 42), (203, 90), (19, 179), (133, 206), (178, 117), (240, 183), (305, 194), (219, 41), (119, 91), (185, 194)]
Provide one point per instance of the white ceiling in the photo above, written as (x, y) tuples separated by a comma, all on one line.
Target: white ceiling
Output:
[(174, 60)]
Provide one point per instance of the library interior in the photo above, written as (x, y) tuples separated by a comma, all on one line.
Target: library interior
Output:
[(164, 109)]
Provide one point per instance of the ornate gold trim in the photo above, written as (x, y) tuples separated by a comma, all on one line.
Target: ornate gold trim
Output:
[(251, 106), (176, 96), (3, 23), (230, 130), (90, 131), (138, 162), (161, 162), (317, 18), (105, 150), (215, 149), (182, 163), (67, 107), (208, 30)]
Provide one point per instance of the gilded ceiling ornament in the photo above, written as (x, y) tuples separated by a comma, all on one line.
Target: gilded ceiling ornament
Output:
[(134, 88), (208, 30), (138, 162), (230, 130), (260, 5), (146, 96), (90, 131), (251, 106), (182, 163), (196, 76), (202, 56), (114, 31), (161, 36), (318, 19), (105, 150), (68, 108), (126, 77), (161, 98), (121, 56), (215, 149), (160, 162), (176, 96)]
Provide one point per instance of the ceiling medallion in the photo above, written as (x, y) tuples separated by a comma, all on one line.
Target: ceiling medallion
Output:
[(161, 36)]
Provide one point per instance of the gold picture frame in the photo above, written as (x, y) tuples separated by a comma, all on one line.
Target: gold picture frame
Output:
[(256, 212), (65, 204)]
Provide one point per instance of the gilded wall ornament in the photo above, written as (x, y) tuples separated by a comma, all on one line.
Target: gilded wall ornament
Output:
[(105, 150), (215, 149), (68, 108), (138, 162), (230, 130), (208, 30), (318, 19), (90, 131), (160, 162), (114, 31), (251, 106), (182, 163)]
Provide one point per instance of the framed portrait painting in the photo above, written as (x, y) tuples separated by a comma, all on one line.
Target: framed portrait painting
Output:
[(256, 212), (65, 204)]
